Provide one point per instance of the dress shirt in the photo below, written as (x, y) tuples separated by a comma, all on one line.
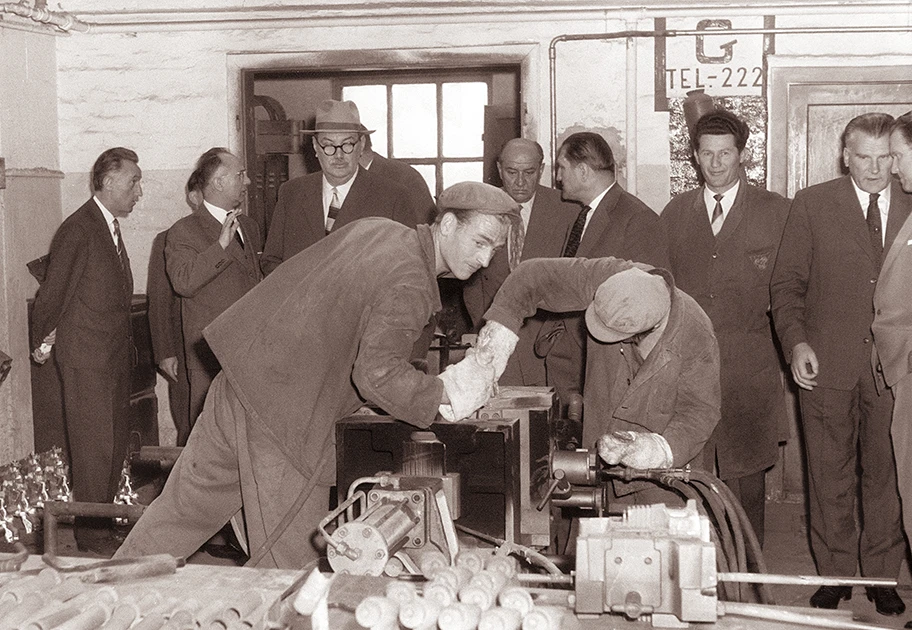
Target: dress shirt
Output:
[(341, 191), (883, 204), (593, 205), (220, 215), (109, 218), (727, 201)]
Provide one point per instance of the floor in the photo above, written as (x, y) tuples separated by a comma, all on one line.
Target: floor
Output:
[(785, 551)]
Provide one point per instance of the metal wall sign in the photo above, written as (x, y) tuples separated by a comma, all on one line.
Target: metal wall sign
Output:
[(718, 59)]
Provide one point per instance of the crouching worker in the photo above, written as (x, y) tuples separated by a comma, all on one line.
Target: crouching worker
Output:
[(328, 331), (652, 394)]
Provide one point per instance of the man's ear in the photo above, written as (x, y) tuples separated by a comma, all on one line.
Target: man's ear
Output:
[(448, 223)]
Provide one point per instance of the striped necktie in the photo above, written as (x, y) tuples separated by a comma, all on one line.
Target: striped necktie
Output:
[(121, 250), (717, 220), (334, 207)]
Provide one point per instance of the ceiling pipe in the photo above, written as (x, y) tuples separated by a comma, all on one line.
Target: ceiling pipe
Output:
[(63, 21), (810, 30)]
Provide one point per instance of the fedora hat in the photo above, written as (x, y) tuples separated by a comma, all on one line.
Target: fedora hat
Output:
[(338, 117)]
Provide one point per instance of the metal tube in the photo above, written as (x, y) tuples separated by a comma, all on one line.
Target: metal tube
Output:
[(759, 611), (804, 580)]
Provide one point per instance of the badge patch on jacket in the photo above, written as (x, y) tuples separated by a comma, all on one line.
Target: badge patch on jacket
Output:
[(761, 261)]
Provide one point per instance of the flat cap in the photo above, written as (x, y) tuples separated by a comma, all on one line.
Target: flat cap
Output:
[(628, 303), (476, 196)]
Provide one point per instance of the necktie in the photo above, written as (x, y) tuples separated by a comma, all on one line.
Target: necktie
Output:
[(576, 233), (334, 207), (873, 219), (716, 221), (121, 250), (237, 236)]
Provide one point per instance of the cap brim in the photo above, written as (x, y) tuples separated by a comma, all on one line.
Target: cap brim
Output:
[(598, 330)]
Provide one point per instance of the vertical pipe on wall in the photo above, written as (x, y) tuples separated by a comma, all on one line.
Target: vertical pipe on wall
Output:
[(632, 118)]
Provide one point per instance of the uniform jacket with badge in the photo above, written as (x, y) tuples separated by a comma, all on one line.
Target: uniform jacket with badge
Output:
[(329, 330), (675, 392), (207, 278), (549, 222), (823, 284), (621, 226), (729, 275), (298, 220), (86, 296), (893, 309)]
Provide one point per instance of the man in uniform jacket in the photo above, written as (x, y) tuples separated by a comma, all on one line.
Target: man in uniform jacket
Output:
[(724, 237), (212, 260), (82, 313), (311, 206), (547, 220), (612, 223), (326, 332), (822, 294), (893, 322)]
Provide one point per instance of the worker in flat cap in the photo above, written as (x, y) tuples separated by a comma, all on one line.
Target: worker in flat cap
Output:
[(311, 206), (330, 330), (652, 394)]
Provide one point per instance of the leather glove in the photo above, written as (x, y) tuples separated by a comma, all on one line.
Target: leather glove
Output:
[(468, 385), (635, 450), (495, 344)]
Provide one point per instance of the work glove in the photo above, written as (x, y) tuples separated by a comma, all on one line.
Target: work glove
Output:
[(635, 450), (468, 385), (495, 345)]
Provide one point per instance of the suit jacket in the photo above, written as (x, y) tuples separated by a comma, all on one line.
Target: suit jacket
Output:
[(823, 284), (298, 222), (893, 309), (86, 296), (207, 278), (164, 305), (549, 222), (623, 227), (419, 196), (729, 276)]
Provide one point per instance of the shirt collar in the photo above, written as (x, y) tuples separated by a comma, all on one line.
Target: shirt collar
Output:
[(108, 217), (341, 188), (218, 213), (595, 202), (728, 199), (864, 198)]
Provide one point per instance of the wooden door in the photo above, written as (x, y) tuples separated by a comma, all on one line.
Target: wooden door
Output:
[(809, 108)]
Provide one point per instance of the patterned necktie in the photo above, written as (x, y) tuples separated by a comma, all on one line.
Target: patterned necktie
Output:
[(576, 233), (873, 219), (121, 250), (334, 207), (717, 220)]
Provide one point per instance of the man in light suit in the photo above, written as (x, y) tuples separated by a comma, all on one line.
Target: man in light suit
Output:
[(82, 312), (311, 206), (822, 293), (724, 239), (547, 220), (612, 223), (212, 260), (403, 173), (892, 358)]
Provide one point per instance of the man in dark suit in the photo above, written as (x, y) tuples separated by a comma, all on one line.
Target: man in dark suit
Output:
[(612, 223), (724, 237), (311, 206), (403, 173), (547, 220), (212, 260), (822, 293), (168, 338), (82, 311)]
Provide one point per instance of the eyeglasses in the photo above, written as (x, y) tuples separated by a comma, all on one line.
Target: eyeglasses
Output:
[(330, 149)]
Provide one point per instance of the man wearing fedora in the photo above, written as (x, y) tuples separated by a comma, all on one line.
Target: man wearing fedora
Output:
[(313, 205), (652, 396)]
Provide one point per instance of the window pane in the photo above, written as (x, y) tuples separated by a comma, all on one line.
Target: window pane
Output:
[(429, 173), (455, 172), (415, 120), (463, 119), (371, 102)]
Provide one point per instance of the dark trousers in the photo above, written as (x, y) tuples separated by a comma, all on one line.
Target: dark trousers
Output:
[(179, 402), (200, 381), (96, 411), (838, 425), (750, 490)]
